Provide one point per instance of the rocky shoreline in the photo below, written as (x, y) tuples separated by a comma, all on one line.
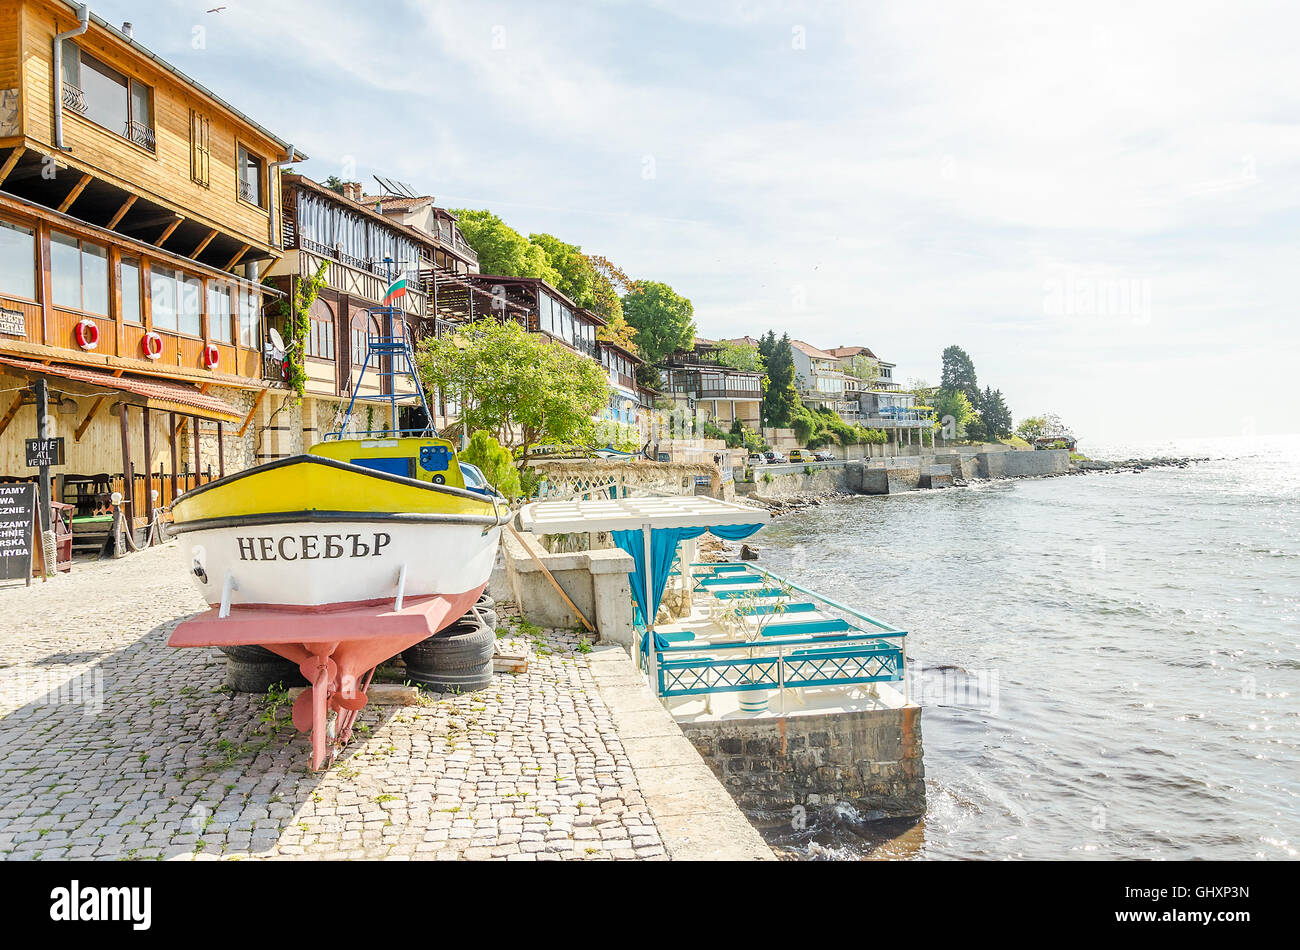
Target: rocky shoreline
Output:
[(1077, 467)]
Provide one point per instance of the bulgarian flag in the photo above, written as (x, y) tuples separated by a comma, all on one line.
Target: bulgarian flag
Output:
[(396, 289)]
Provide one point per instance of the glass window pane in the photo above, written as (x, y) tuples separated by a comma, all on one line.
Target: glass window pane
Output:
[(17, 261), (106, 94), (130, 292), (162, 295), (219, 322), (140, 105), (65, 270), (248, 329), (94, 278), (189, 320)]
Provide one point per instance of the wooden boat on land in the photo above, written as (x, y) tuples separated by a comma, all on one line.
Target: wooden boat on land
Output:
[(341, 558)]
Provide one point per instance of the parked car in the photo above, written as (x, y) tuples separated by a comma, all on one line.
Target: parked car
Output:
[(757, 458), (823, 457), (801, 455), (774, 458)]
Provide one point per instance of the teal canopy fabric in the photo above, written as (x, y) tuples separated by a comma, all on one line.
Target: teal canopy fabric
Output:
[(663, 549)]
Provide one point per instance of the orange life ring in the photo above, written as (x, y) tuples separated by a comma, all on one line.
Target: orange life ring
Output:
[(152, 345), (211, 356), (87, 334)]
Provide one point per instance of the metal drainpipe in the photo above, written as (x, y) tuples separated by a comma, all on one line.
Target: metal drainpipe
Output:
[(270, 197), (83, 24)]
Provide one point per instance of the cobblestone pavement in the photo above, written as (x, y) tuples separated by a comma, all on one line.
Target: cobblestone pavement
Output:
[(114, 745)]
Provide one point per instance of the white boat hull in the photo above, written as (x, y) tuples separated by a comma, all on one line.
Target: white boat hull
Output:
[(316, 564)]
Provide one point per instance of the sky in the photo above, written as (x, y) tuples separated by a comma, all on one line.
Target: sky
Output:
[(1097, 201)]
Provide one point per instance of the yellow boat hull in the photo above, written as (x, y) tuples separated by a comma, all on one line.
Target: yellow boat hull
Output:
[(311, 531)]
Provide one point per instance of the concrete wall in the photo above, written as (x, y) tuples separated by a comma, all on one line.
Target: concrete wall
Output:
[(796, 484), (1022, 464), (596, 581), (869, 759)]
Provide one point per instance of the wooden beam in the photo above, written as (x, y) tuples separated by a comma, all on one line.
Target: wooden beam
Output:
[(162, 238), (81, 429), (121, 212), (238, 254), (74, 194), (204, 243), (261, 394), (13, 411), (10, 162)]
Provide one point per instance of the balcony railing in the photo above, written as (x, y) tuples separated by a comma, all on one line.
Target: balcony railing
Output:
[(141, 135), (74, 98), (248, 191)]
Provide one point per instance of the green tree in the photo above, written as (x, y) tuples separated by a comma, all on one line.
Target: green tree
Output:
[(995, 414), (576, 278), (780, 398), (1032, 427), (518, 386), (959, 373), (953, 413), (335, 183), (742, 356), (501, 249), (495, 463), (663, 322), (864, 368)]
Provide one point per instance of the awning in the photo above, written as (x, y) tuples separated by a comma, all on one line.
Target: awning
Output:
[(649, 529), (621, 514), (155, 393)]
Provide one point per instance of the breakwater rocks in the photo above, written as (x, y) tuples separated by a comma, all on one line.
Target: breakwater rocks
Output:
[(1088, 466)]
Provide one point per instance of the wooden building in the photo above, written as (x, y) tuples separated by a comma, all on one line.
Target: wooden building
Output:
[(138, 212)]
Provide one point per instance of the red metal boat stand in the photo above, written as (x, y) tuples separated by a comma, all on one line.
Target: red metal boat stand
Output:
[(337, 648)]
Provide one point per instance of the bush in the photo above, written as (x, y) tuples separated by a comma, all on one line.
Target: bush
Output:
[(495, 463)]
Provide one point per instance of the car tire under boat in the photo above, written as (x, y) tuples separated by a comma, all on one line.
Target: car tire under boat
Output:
[(253, 669), (485, 608), (455, 659)]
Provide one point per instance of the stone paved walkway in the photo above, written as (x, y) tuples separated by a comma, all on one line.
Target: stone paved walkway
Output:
[(114, 745)]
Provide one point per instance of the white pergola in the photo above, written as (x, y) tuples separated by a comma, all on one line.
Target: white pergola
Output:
[(637, 514), (629, 514)]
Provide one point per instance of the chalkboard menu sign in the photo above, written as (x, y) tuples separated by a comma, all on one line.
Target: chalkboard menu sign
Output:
[(44, 452), (17, 530)]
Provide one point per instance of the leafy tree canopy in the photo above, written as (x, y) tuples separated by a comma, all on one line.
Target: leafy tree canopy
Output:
[(741, 356), (576, 277), (959, 373), (501, 249), (521, 388), (663, 320), (495, 463), (995, 414), (953, 413), (780, 398)]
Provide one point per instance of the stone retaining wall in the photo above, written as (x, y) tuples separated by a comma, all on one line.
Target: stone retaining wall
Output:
[(869, 759)]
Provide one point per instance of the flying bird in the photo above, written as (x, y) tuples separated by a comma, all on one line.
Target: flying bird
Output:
[(216, 9)]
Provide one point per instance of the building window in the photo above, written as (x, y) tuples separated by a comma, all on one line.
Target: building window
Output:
[(17, 261), (220, 324), (249, 334), (129, 279), (320, 333), (359, 327), (79, 272), (175, 298), (107, 97), (250, 177), (200, 152)]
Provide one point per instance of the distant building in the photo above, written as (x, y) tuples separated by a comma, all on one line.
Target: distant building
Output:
[(856, 359), (697, 382), (821, 381)]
